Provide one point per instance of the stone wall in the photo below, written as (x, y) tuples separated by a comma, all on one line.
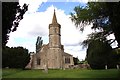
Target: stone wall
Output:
[(54, 58)]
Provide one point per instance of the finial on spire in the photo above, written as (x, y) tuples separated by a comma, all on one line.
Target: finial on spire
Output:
[(54, 20)]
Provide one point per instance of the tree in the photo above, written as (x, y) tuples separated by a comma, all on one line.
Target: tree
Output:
[(39, 43), (117, 51), (114, 18), (76, 60), (16, 57), (10, 20), (98, 54), (104, 16)]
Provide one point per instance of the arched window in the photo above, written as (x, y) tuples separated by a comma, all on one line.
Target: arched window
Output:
[(67, 60), (38, 61)]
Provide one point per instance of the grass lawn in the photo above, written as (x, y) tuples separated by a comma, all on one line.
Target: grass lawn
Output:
[(73, 73)]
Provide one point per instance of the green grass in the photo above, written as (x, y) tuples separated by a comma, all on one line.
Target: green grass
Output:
[(73, 73)]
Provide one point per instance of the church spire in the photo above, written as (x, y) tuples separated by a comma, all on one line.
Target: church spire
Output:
[(54, 20)]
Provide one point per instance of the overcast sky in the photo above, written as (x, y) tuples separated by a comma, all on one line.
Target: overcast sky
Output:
[(37, 19)]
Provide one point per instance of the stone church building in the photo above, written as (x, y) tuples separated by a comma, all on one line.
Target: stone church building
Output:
[(52, 55)]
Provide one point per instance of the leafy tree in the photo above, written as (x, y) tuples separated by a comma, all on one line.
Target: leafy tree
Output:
[(76, 60), (10, 20), (117, 51), (83, 62), (104, 16), (39, 43), (16, 57), (100, 53)]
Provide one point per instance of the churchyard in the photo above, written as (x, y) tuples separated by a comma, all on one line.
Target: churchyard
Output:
[(67, 73), (103, 59)]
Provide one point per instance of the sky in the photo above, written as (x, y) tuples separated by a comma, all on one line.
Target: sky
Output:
[(37, 19)]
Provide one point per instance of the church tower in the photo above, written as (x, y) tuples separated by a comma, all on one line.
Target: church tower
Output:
[(51, 55), (54, 33), (54, 53)]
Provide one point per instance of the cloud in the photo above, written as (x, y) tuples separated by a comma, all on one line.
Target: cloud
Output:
[(72, 44), (36, 24), (33, 4), (83, 1)]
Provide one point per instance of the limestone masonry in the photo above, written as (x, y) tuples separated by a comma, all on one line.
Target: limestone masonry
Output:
[(52, 55)]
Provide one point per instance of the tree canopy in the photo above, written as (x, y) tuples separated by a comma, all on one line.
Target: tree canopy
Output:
[(15, 57), (10, 20), (39, 43), (104, 16), (99, 54)]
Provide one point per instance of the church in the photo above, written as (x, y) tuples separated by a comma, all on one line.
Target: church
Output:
[(52, 55)]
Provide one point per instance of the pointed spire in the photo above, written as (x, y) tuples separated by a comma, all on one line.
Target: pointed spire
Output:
[(54, 20)]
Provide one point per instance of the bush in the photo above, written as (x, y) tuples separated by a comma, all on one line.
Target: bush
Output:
[(16, 57), (100, 54)]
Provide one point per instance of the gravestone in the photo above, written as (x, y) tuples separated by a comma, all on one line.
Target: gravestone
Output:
[(117, 66), (105, 66), (45, 69)]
